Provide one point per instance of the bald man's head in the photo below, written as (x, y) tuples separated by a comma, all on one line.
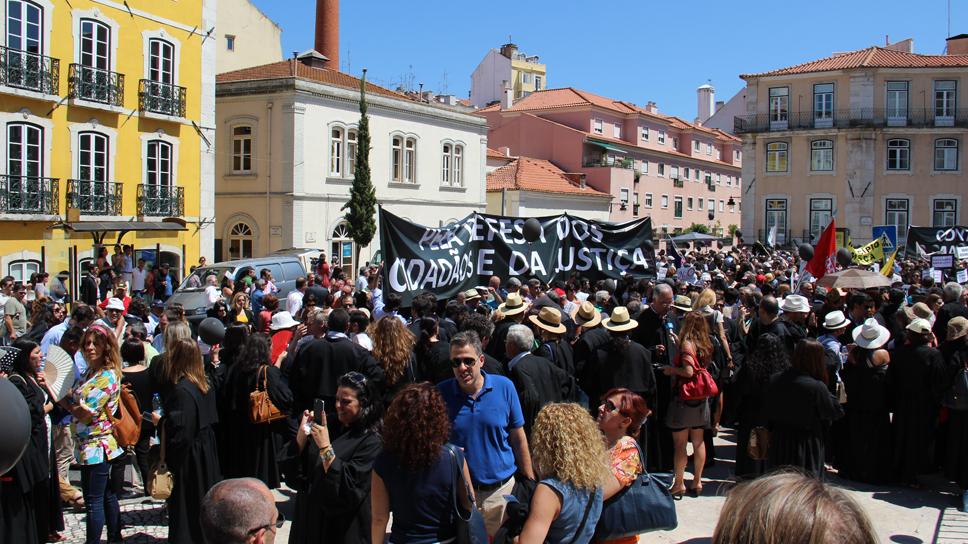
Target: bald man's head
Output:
[(234, 511)]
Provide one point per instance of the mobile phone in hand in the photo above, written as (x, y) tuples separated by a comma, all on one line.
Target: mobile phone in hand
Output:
[(319, 411), (146, 416)]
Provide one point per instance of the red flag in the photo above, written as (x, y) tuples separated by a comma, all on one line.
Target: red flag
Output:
[(824, 259)]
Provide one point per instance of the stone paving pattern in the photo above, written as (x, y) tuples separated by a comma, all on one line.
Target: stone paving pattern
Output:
[(900, 515)]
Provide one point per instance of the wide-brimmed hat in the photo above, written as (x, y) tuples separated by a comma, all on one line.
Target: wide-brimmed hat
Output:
[(957, 327), (919, 310), (795, 304), (620, 320), (835, 320), (870, 335), (282, 320), (513, 305), (471, 294), (920, 326), (121, 285), (549, 319), (115, 304), (682, 302), (586, 315)]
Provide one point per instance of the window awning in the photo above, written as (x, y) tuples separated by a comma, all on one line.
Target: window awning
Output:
[(607, 146), (99, 229)]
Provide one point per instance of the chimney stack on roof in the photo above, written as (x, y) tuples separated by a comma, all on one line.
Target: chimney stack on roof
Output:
[(327, 31), (957, 45), (707, 97), (651, 107)]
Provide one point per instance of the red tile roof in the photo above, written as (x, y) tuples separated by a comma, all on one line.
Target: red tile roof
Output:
[(495, 154), (294, 68), (527, 174), (872, 57)]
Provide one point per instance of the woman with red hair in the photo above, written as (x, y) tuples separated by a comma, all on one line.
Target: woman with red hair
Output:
[(620, 417)]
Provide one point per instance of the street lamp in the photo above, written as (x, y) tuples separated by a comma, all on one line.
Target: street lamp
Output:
[(730, 202)]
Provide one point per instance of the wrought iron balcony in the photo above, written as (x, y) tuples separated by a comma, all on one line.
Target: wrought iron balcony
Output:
[(163, 98), (161, 201), (29, 71), (94, 197), (29, 195), (96, 85), (855, 118)]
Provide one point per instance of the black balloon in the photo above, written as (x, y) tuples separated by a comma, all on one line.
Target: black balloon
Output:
[(844, 257), (532, 230), (14, 425), (739, 234), (806, 252), (211, 331)]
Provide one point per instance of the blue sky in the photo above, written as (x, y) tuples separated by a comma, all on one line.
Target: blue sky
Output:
[(636, 50)]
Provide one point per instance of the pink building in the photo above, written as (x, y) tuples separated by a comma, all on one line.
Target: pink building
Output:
[(677, 172)]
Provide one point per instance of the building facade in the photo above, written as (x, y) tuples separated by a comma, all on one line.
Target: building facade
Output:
[(290, 130), (506, 69), (106, 111), (871, 137), (526, 187), (678, 173), (246, 36)]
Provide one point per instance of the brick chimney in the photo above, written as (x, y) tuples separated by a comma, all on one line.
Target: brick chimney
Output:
[(958, 45), (327, 31)]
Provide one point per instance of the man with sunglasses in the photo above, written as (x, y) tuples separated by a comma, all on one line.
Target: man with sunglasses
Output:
[(240, 511), (487, 422)]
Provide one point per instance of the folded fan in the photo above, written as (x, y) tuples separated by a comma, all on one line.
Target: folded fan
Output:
[(59, 370)]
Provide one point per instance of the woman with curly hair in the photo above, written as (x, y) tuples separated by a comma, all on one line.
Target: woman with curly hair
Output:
[(414, 476), (393, 345), (572, 468), (689, 418), (769, 358)]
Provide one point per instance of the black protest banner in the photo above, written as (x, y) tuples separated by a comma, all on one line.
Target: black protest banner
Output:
[(462, 255), (935, 240)]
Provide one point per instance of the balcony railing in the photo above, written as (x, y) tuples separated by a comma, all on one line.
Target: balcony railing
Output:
[(94, 197), (678, 182), (610, 162), (29, 71), (163, 98), (96, 85), (855, 118), (161, 201), (29, 195)]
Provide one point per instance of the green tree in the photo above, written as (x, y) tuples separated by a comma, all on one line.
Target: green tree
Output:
[(698, 227), (361, 207)]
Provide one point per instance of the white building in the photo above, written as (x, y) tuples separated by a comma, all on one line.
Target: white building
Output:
[(245, 36), (725, 112), (290, 140)]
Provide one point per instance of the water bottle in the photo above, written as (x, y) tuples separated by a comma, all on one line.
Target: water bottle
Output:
[(156, 404), (843, 356)]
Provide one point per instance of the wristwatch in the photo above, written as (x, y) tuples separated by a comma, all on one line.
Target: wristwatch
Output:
[(327, 454)]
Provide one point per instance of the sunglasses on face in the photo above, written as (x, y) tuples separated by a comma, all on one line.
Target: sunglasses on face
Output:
[(467, 361)]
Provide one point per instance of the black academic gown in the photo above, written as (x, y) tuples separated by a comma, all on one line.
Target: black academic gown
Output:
[(916, 385), (869, 445), (798, 409), (334, 506), (749, 396), (434, 363), (24, 490), (251, 450), (192, 456), (955, 460)]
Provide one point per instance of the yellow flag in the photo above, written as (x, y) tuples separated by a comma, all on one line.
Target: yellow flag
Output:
[(870, 253), (888, 268)]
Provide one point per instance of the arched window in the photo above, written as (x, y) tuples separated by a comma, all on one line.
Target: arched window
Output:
[(396, 173), (158, 163), (445, 164), (336, 152), (351, 147), (458, 175), (242, 149), (240, 241), (452, 163), (21, 269), (410, 161), (776, 157), (343, 249), (25, 42)]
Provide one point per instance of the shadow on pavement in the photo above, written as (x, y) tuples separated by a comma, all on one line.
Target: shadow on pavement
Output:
[(906, 539)]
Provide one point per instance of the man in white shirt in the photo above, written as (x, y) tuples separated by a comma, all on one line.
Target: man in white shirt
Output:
[(294, 300), (211, 289), (138, 279)]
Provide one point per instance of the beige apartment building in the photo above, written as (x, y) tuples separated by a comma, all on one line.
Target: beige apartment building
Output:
[(870, 137)]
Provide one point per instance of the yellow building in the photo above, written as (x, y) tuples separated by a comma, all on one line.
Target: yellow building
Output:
[(107, 111), (507, 69)]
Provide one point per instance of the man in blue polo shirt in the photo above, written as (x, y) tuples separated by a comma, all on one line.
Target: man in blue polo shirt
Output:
[(486, 421)]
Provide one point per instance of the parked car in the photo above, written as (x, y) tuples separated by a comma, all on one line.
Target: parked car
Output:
[(191, 293)]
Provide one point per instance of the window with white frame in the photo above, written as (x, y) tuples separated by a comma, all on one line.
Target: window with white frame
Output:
[(229, 42), (25, 151), (624, 197), (823, 104), (701, 204), (22, 269), (598, 126), (451, 161), (158, 163), (776, 216), (336, 152), (677, 208), (822, 155), (737, 155), (662, 137), (93, 156), (776, 157), (945, 212), (25, 44), (161, 61), (617, 130), (946, 154), (537, 82), (821, 212), (709, 149), (945, 99), (685, 173), (664, 202), (675, 143), (696, 146), (644, 167), (779, 104), (722, 205), (711, 205), (661, 169), (404, 159), (410, 160), (689, 203), (698, 174), (674, 172), (648, 200), (351, 147), (899, 154), (897, 102), (897, 213), (645, 134), (242, 149)]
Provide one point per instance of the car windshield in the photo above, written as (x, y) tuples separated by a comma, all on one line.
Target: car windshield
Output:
[(196, 280)]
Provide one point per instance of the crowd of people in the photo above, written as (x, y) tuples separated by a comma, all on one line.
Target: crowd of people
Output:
[(557, 395)]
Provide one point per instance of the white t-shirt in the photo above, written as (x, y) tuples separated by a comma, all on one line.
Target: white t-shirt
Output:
[(294, 301), (138, 279), (213, 293)]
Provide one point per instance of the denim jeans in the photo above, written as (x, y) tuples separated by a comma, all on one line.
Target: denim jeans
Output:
[(100, 503)]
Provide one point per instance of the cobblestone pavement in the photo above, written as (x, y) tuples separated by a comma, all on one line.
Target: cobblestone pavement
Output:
[(899, 515)]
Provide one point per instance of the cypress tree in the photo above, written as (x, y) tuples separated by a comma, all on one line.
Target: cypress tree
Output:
[(361, 207)]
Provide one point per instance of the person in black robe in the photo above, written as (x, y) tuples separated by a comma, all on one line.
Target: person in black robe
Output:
[(333, 482), (250, 449), (655, 323), (752, 380), (916, 385), (432, 353), (513, 309), (869, 444), (191, 451), (955, 353), (798, 408)]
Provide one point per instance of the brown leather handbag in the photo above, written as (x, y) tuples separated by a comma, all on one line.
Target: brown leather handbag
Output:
[(261, 409)]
